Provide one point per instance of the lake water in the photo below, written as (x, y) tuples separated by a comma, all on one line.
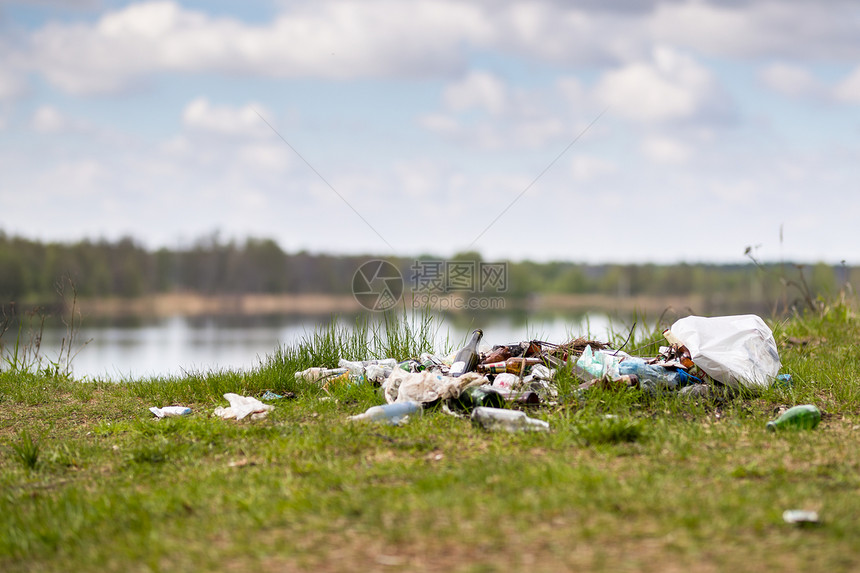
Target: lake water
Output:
[(178, 345)]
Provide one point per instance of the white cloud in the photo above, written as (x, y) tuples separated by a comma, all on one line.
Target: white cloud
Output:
[(791, 79), (478, 89), (71, 180), (736, 192), (275, 157), (440, 123), (572, 91), (12, 85), (848, 90), (335, 39), (200, 115), (483, 110), (671, 86), (566, 32), (662, 149), (49, 119), (801, 29), (338, 39), (589, 167)]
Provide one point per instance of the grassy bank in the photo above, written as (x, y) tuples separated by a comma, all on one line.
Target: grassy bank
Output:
[(91, 481)]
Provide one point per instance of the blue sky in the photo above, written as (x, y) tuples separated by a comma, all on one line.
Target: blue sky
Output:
[(625, 131)]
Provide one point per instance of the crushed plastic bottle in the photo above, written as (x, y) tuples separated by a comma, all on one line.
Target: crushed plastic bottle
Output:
[(509, 420), (803, 417), (783, 381), (316, 374), (800, 517), (394, 414), (170, 411), (653, 377), (357, 367)]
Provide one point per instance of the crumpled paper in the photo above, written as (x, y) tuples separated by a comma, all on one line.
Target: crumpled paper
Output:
[(243, 406)]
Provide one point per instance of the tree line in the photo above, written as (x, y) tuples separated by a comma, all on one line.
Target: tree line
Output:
[(30, 272)]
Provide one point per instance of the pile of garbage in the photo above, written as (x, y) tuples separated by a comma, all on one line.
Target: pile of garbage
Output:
[(734, 352)]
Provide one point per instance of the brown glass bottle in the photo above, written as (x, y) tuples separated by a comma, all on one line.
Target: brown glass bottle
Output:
[(511, 366)]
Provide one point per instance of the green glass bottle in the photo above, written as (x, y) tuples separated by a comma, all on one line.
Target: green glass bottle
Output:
[(804, 417), (467, 359), (476, 396)]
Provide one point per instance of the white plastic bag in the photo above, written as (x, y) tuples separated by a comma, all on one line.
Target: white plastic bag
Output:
[(735, 350)]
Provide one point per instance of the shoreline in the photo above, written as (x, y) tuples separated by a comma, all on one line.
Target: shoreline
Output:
[(251, 305)]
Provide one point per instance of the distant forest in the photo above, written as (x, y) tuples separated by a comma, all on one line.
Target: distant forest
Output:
[(31, 271)]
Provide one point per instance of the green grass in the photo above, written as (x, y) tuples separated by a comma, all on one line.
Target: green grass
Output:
[(90, 481)]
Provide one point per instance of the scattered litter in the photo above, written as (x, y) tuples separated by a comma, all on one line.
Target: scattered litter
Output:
[(269, 395), (243, 406), (475, 396), (706, 359), (696, 391), (316, 374), (394, 414), (508, 420), (427, 386), (507, 382), (800, 517), (803, 417), (170, 411)]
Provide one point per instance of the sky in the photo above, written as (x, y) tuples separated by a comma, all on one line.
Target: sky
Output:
[(588, 131)]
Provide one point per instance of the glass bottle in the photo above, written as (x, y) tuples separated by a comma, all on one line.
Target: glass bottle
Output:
[(466, 359), (804, 417)]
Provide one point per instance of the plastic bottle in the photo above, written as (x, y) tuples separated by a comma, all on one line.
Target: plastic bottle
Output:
[(653, 377), (391, 413), (466, 359), (509, 420), (356, 364), (315, 374), (170, 411), (804, 417)]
